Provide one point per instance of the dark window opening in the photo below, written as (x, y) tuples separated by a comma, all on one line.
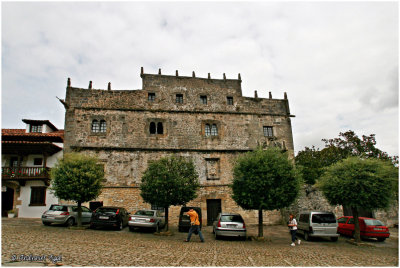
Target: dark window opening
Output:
[(38, 196), (36, 128), (160, 129), (268, 131), (103, 126), (152, 128), (203, 99), (95, 126), (14, 161), (179, 98), (151, 96), (229, 100), (207, 130), (37, 161)]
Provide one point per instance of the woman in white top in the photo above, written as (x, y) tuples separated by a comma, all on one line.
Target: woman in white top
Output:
[(293, 229)]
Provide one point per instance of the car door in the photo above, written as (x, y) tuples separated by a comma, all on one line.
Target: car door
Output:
[(341, 225), (86, 214)]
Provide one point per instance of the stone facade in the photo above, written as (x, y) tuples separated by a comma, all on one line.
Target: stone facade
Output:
[(207, 120)]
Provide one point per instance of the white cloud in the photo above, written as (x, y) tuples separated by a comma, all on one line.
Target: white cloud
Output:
[(338, 61)]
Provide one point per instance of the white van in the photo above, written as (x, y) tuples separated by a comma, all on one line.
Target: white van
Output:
[(318, 224)]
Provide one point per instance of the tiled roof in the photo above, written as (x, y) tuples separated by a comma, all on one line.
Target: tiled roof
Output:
[(21, 132)]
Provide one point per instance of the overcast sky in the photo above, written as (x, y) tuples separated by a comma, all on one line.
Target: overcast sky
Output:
[(337, 61)]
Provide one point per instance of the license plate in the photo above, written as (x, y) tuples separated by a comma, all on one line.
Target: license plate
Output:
[(378, 229), (140, 220), (103, 218), (49, 217), (231, 225)]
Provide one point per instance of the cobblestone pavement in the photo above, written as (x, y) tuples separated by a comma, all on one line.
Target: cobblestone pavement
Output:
[(124, 248)]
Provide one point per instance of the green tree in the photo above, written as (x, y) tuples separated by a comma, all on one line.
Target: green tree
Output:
[(359, 182), (264, 180), (312, 162), (169, 181), (77, 177)]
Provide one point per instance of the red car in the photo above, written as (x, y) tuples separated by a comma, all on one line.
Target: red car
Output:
[(369, 227)]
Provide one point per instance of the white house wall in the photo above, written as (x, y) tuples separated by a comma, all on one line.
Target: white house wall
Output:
[(26, 211)]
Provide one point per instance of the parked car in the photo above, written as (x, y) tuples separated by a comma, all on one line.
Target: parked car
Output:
[(184, 219), (229, 224), (116, 217), (318, 224), (369, 227), (147, 219), (65, 214)]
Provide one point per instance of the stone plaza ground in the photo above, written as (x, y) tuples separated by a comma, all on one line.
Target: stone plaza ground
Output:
[(55, 245)]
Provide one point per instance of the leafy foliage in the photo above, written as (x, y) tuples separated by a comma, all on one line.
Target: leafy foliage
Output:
[(357, 182), (169, 181), (313, 161), (264, 180), (77, 177)]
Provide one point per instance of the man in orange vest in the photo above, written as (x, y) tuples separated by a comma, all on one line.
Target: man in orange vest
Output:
[(195, 225)]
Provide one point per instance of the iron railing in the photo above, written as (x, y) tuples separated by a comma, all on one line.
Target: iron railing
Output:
[(25, 172)]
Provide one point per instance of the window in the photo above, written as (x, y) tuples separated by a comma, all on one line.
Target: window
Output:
[(203, 99), (342, 220), (268, 132), (179, 98), (229, 100), (95, 126), (103, 126), (14, 161), (36, 128), (38, 196), (214, 130), (156, 128), (37, 161), (160, 129), (207, 130), (151, 96)]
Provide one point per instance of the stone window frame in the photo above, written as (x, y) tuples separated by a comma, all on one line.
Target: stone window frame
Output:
[(101, 128), (229, 100), (157, 122), (218, 160), (207, 129)]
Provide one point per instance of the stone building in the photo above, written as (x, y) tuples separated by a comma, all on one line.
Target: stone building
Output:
[(208, 120)]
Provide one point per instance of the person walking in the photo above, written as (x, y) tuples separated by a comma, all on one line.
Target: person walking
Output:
[(292, 224), (195, 225)]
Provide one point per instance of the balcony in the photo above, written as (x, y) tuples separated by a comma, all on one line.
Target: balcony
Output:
[(22, 174)]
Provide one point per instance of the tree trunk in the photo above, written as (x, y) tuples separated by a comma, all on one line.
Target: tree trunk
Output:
[(357, 236), (79, 219), (260, 223), (166, 218)]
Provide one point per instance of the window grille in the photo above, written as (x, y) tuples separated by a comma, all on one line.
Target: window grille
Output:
[(207, 130), (268, 131)]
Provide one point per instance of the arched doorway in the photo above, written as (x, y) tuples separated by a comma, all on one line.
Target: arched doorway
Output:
[(7, 201)]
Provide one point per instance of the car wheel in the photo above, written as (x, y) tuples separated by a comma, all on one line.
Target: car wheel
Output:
[(70, 222), (46, 223), (120, 226), (216, 236), (381, 239), (306, 236), (334, 239), (157, 228)]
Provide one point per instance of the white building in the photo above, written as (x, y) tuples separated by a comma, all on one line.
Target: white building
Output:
[(27, 157)]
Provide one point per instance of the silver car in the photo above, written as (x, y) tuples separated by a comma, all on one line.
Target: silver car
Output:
[(318, 224), (229, 224), (65, 214), (147, 219)]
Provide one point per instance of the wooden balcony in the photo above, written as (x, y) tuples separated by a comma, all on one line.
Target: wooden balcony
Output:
[(22, 174)]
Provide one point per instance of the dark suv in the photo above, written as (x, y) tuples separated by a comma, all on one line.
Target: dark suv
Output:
[(184, 219), (116, 217)]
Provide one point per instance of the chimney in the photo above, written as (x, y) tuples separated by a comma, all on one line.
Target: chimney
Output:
[(90, 84), (141, 72), (193, 74), (69, 82), (209, 76), (224, 77), (255, 94), (176, 73), (285, 96), (270, 95), (159, 71), (109, 86)]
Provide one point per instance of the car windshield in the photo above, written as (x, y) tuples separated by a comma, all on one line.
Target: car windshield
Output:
[(144, 213), (373, 222), (58, 208), (323, 218), (107, 210), (231, 218)]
